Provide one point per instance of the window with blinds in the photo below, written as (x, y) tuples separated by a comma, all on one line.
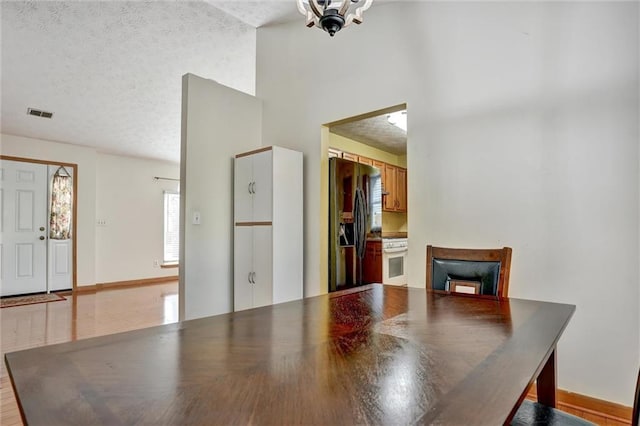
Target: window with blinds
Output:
[(171, 226), (376, 203)]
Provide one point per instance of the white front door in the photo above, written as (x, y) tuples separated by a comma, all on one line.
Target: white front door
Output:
[(23, 227)]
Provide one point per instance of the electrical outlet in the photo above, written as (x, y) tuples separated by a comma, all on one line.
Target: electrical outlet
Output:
[(156, 263)]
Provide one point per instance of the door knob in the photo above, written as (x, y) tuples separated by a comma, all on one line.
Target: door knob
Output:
[(42, 228), (42, 237)]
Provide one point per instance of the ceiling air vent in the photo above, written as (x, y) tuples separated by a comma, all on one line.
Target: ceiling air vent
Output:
[(39, 113)]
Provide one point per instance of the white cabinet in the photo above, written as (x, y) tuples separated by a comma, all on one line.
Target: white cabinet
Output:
[(253, 195), (253, 260), (268, 235)]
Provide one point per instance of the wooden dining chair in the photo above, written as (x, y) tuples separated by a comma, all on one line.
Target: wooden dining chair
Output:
[(635, 420), (534, 413), (477, 272)]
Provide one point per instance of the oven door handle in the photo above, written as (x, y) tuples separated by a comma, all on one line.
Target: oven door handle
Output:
[(394, 250)]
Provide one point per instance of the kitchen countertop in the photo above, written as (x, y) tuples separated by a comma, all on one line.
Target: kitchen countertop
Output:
[(385, 235), (395, 235)]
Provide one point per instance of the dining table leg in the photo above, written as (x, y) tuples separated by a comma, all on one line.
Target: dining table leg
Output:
[(547, 382)]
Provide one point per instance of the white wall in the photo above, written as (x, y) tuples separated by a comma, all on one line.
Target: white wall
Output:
[(217, 123), (522, 131), (638, 259), (131, 203), (85, 158)]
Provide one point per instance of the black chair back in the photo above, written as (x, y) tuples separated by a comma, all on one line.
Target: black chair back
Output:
[(480, 272)]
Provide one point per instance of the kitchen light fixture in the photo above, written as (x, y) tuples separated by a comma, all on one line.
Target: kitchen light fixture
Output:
[(398, 119), (330, 15)]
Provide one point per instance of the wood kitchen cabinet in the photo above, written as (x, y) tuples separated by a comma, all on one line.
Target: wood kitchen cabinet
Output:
[(268, 231), (389, 188), (401, 189), (372, 262), (395, 189), (350, 157), (365, 160), (334, 153), (394, 180)]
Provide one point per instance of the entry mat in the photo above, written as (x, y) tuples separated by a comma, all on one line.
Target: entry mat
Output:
[(7, 302)]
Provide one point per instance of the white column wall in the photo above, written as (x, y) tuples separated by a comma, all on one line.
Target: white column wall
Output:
[(523, 131), (217, 123)]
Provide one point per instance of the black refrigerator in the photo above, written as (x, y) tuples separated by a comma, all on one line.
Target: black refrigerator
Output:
[(355, 212)]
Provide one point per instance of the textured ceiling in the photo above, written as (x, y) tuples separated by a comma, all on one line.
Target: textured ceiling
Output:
[(111, 71), (260, 13), (376, 132)]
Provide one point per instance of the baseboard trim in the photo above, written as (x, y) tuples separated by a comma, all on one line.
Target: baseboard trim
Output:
[(574, 402), (120, 284)]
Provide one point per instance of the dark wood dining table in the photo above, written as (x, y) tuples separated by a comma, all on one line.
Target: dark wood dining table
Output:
[(369, 355)]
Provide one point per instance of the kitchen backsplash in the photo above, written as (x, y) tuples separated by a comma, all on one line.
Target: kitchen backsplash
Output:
[(394, 222)]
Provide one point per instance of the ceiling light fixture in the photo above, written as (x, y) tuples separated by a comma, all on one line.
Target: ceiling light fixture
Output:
[(331, 16), (398, 119)]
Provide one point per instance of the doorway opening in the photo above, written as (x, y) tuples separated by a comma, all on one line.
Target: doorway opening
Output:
[(365, 155), (38, 223)]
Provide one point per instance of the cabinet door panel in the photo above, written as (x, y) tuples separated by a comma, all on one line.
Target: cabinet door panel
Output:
[(243, 268), (242, 197), (401, 189), (365, 160), (350, 157), (262, 265), (334, 153), (390, 188), (368, 263), (263, 188), (377, 274)]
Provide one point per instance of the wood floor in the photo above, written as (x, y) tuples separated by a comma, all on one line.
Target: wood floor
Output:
[(79, 317)]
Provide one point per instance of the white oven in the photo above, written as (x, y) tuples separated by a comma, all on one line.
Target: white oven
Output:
[(394, 261)]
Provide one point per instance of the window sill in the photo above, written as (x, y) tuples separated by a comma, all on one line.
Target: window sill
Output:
[(169, 265)]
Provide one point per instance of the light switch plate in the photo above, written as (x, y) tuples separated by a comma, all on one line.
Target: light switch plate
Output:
[(196, 218)]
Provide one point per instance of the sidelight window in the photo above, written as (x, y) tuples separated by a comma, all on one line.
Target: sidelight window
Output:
[(61, 205)]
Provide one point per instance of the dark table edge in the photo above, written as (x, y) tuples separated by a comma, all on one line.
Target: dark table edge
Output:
[(550, 356)]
